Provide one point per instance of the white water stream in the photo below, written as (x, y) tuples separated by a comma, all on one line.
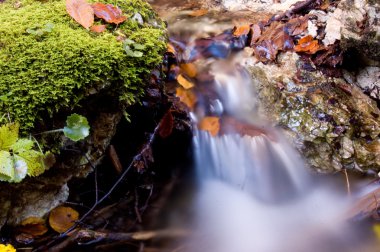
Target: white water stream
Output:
[(255, 193)]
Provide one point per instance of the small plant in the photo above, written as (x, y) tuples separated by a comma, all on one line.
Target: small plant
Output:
[(40, 31), (76, 128), (17, 156), (132, 48)]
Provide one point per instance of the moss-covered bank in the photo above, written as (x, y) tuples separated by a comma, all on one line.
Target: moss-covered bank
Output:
[(49, 62)]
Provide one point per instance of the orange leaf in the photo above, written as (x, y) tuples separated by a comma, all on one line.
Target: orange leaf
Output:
[(189, 69), (170, 48), (210, 124), (81, 11), (307, 45), (33, 226), (186, 96), (183, 82), (62, 218), (242, 30), (109, 13), (198, 13), (166, 125), (98, 28)]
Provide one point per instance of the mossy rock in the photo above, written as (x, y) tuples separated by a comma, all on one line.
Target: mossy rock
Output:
[(51, 67), (48, 62)]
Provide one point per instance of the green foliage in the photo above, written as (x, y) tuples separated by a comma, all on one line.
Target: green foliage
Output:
[(77, 127), (17, 156), (46, 68), (132, 48)]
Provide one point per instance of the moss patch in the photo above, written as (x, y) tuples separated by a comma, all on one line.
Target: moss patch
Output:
[(49, 62)]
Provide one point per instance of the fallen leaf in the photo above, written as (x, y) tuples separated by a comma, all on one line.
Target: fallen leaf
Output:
[(189, 69), (109, 13), (183, 82), (241, 30), (307, 45), (186, 96), (98, 28), (256, 32), (170, 48), (62, 218), (210, 124), (33, 226), (166, 125), (198, 13), (296, 26), (81, 11)]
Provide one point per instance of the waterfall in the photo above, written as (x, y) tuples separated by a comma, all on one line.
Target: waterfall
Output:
[(254, 191)]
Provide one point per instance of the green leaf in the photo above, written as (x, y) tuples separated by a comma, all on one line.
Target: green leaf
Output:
[(8, 135), (136, 54), (77, 127), (139, 46), (6, 166), (34, 161), (22, 145)]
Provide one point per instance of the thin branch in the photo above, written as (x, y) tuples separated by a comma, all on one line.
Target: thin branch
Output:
[(347, 183), (118, 181)]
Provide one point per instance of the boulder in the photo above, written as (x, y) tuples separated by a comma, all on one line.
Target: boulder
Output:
[(51, 67)]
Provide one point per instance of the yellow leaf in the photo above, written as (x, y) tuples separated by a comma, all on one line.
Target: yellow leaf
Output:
[(62, 218), (7, 248), (183, 82), (189, 69), (186, 96), (210, 124)]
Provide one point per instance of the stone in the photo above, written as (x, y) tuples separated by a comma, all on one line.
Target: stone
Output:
[(49, 74)]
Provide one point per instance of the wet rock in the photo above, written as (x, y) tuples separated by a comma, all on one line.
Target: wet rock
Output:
[(334, 124), (356, 24)]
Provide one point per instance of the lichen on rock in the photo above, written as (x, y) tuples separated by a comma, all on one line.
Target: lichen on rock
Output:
[(50, 69)]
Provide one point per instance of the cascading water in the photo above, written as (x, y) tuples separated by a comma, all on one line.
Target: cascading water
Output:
[(254, 193)]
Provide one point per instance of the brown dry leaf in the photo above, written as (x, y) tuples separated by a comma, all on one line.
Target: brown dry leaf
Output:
[(256, 33), (33, 226), (308, 45), (62, 218), (296, 26), (81, 11), (210, 124), (186, 96), (98, 28), (166, 125), (198, 13), (183, 82), (273, 39), (189, 69), (109, 13), (242, 30)]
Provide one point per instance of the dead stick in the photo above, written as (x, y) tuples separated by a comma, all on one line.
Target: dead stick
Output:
[(347, 183)]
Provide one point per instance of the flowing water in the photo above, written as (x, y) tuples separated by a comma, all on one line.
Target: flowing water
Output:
[(254, 192)]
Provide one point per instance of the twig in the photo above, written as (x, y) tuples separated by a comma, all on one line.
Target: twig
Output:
[(137, 211), (347, 183), (122, 176)]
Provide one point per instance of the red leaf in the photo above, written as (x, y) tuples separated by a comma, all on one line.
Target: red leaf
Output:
[(81, 11), (98, 28), (166, 125), (109, 13)]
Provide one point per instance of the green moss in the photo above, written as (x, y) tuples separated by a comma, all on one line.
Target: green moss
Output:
[(58, 68)]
